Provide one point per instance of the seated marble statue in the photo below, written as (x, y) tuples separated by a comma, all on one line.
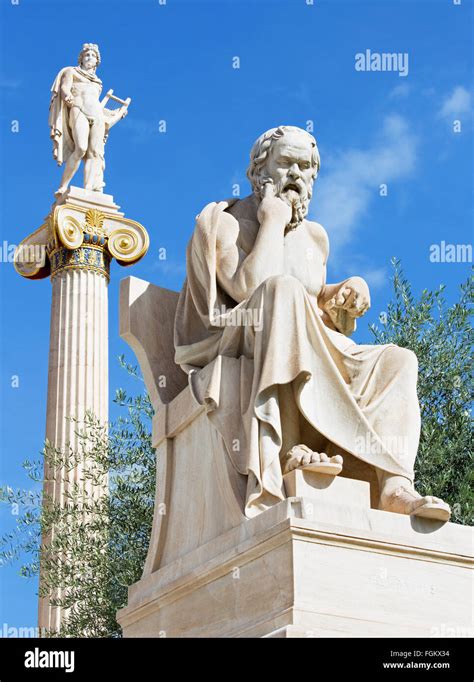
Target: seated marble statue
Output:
[(265, 341)]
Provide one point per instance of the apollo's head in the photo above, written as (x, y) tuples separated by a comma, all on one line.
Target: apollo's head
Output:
[(89, 56), (289, 157)]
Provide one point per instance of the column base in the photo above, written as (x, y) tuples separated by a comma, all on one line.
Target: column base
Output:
[(85, 198)]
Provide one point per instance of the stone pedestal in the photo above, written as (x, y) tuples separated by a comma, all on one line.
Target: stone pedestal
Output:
[(74, 246), (323, 562), (313, 566)]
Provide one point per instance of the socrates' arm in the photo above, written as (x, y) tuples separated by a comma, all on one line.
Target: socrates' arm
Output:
[(240, 274), (344, 301)]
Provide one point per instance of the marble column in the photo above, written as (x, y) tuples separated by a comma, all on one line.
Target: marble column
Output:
[(75, 246)]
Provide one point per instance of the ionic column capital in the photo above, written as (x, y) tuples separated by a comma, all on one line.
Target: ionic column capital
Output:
[(77, 236)]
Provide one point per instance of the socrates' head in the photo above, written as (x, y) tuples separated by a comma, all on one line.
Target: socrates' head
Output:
[(289, 157)]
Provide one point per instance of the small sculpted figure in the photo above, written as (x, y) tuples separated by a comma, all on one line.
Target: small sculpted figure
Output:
[(79, 122)]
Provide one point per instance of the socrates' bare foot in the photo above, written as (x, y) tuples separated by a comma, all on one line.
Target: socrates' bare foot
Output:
[(302, 457), (404, 500), (59, 192)]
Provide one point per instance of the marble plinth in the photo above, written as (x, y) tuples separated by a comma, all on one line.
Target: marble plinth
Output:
[(313, 567)]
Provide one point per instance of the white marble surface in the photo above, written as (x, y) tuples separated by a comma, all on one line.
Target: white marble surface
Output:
[(264, 338), (80, 122), (312, 568), (83, 232)]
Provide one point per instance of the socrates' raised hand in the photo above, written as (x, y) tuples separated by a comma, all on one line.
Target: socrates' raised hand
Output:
[(272, 208)]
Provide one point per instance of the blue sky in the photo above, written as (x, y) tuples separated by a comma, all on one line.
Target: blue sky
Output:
[(297, 64)]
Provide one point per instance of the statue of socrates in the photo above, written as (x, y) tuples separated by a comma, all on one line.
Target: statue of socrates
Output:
[(265, 340)]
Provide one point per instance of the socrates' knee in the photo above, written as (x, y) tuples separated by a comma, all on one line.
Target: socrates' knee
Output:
[(283, 285), (402, 359)]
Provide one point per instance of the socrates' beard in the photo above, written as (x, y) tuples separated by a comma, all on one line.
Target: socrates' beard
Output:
[(297, 195)]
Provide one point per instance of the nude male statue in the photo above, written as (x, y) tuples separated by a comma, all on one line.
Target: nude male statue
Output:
[(297, 379), (79, 122)]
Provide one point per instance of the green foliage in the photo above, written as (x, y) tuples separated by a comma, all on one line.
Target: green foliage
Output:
[(96, 544), (441, 336)]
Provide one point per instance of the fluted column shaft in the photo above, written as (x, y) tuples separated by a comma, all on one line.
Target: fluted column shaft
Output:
[(74, 246), (77, 383)]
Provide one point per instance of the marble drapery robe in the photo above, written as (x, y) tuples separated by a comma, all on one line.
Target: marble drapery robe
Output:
[(361, 398)]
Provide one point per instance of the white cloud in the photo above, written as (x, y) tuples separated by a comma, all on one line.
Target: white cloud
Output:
[(142, 130), (350, 181), (400, 91), (9, 84), (169, 267), (457, 103), (375, 277)]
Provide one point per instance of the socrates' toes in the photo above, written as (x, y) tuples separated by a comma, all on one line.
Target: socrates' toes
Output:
[(406, 501), (298, 456), (432, 508), (302, 457), (322, 464)]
